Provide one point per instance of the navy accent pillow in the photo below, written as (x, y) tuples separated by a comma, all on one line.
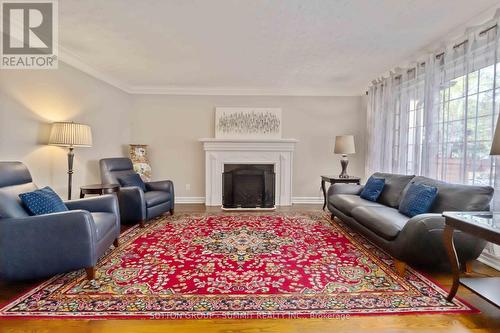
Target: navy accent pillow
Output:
[(43, 201), (418, 199), (132, 179), (373, 188)]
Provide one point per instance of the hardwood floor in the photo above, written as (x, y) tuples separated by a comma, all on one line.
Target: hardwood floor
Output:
[(486, 321)]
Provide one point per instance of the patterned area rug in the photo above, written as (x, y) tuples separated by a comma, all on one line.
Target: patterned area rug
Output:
[(237, 266)]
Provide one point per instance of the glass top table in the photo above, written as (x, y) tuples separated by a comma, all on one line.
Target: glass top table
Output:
[(484, 225)]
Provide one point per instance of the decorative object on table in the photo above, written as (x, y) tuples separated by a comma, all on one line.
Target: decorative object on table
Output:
[(373, 188), (71, 135), (139, 156), (42, 201), (334, 180), (99, 189), (247, 123), (344, 144), (280, 251), (482, 225)]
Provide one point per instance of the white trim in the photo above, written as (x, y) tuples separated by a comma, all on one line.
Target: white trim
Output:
[(490, 260), (189, 200), (230, 91), (307, 200)]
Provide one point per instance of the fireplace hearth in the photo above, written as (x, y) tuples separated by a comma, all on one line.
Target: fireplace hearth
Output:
[(248, 186)]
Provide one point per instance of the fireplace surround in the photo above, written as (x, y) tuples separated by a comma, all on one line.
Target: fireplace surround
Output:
[(275, 152)]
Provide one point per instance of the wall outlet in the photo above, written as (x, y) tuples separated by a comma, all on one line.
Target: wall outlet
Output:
[(188, 187)]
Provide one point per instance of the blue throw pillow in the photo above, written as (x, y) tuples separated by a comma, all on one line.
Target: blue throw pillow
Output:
[(418, 199), (43, 201), (373, 188), (132, 179)]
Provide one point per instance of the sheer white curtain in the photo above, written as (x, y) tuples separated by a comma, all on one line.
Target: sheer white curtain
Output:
[(437, 117)]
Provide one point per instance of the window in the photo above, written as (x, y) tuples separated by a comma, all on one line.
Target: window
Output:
[(466, 123)]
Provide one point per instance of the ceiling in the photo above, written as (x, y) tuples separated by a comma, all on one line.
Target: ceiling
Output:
[(280, 47)]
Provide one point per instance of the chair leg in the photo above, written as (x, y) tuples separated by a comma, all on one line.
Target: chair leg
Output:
[(90, 273), (172, 211), (116, 242), (142, 223), (400, 267)]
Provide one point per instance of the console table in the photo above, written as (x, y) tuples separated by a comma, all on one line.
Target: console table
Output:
[(484, 225), (335, 180)]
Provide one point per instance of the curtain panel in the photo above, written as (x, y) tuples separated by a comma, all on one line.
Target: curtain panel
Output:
[(437, 117)]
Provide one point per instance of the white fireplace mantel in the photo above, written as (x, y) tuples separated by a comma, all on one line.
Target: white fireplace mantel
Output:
[(278, 152)]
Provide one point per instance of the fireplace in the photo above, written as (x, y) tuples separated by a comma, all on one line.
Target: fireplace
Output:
[(248, 186), (276, 152)]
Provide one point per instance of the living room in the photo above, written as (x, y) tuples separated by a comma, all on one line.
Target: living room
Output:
[(283, 166)]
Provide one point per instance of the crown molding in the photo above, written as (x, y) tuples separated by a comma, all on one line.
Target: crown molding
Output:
[(230, 91), (76, 62)]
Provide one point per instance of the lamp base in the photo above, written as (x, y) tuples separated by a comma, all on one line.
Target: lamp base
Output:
[(344, 162)]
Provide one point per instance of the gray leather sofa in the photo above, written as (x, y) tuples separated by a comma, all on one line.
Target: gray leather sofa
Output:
[(39, 246), (136, 205), (417, 240)]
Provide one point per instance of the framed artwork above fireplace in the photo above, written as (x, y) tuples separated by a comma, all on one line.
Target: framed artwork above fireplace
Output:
[(247, 123)]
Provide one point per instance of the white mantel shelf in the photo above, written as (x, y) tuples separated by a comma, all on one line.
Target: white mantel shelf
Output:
[(218, 152)]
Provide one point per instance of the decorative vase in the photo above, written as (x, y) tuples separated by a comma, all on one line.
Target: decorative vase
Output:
[(139, 157)]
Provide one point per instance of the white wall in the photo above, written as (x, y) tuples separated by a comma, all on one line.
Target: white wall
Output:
[(172, 125), (32, 99)]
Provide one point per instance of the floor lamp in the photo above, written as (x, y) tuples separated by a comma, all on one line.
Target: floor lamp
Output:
[(71, 135)]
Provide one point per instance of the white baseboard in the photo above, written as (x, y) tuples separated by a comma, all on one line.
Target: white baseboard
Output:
[(295, 200), (307, 200), (490, 260), (190, 200)]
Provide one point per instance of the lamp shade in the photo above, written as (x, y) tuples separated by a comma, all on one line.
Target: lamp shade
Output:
[(495, 145), (69, 134), (344, 144)]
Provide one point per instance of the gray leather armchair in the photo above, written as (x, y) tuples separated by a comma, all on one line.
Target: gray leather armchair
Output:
[(136, 205), (39, 246)]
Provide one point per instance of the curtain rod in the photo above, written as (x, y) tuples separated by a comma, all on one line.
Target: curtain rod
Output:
[(465, 41)]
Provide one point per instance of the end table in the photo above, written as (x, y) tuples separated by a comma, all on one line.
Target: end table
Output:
[(484, 225), (99, 189), (334, 180)]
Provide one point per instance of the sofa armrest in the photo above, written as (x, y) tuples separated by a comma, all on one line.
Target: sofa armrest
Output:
[(345, 189), (421, 240), (105, 203), (162, 185), (132, 204), (40, 246)]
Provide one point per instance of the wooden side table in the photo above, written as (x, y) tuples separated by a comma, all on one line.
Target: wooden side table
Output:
[(99, 189), (484, 225), (335, 180)]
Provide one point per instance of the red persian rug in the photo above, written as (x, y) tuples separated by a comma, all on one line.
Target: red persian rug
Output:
[(237, 266)]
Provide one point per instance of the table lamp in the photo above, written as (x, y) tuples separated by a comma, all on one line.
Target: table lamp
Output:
[(344, 144), (71, 135)]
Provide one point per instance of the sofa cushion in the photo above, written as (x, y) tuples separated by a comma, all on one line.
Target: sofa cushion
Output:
[(456, 197), (104, 222), (418, 199), (154, 198), (393, 189), (372, 189), (43, 201), (347, 202), (132, 179), (384, 221)]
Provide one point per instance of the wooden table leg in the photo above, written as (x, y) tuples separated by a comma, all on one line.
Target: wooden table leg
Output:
[(81, 194), (452, 256), (324, 193)]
